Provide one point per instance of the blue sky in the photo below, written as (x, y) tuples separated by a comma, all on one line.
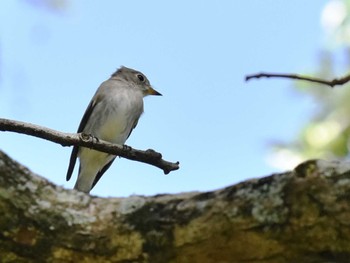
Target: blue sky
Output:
[(196, 53)]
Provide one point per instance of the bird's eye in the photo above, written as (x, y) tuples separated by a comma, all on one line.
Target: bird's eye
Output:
[(141, 78)]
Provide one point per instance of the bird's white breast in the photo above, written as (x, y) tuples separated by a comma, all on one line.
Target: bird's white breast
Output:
[(119, 112), (115, 115)]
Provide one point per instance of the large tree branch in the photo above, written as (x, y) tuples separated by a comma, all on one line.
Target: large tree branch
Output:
[(68, 139), (331, 83), (298, 216)]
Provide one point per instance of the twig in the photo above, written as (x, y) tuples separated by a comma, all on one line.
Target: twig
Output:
[(80, 139), (330, 83)]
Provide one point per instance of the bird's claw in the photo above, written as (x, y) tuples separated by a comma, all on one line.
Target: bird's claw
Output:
[(126, 148), (89, 137)]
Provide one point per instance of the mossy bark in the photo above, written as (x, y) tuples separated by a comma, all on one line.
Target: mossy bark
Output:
[(297, 216)]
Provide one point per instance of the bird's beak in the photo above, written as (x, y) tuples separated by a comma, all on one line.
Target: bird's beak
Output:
[(152, 91)]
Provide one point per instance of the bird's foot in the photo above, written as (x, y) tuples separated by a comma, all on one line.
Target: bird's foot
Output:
[(126, 148), (89, 137)]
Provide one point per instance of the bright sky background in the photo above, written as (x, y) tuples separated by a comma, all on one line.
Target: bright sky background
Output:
[(196, 53)]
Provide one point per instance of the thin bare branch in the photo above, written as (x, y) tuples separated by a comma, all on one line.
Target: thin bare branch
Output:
[(80, 139), (331, 83)]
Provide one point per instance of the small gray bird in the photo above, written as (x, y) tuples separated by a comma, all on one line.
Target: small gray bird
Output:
[(111, 116)]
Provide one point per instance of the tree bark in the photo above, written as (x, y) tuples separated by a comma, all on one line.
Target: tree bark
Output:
[(298, 216)]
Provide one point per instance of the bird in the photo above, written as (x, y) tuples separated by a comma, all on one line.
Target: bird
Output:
[(111, 115)]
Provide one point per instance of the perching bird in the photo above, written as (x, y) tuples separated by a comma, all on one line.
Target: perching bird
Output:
[(111, 116)]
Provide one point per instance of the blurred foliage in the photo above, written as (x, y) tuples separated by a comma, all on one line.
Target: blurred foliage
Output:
[(51, 5), (327, 134)]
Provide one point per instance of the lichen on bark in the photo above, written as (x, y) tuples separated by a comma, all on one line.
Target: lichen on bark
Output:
[(298, 216)]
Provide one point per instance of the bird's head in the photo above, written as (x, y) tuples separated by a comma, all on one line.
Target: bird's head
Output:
[(138, 78)]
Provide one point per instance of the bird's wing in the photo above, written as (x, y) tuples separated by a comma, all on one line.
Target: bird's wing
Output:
[(105, 168), (74, 154)]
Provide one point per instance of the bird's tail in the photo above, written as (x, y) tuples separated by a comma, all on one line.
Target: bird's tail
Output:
[(85, 180)]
